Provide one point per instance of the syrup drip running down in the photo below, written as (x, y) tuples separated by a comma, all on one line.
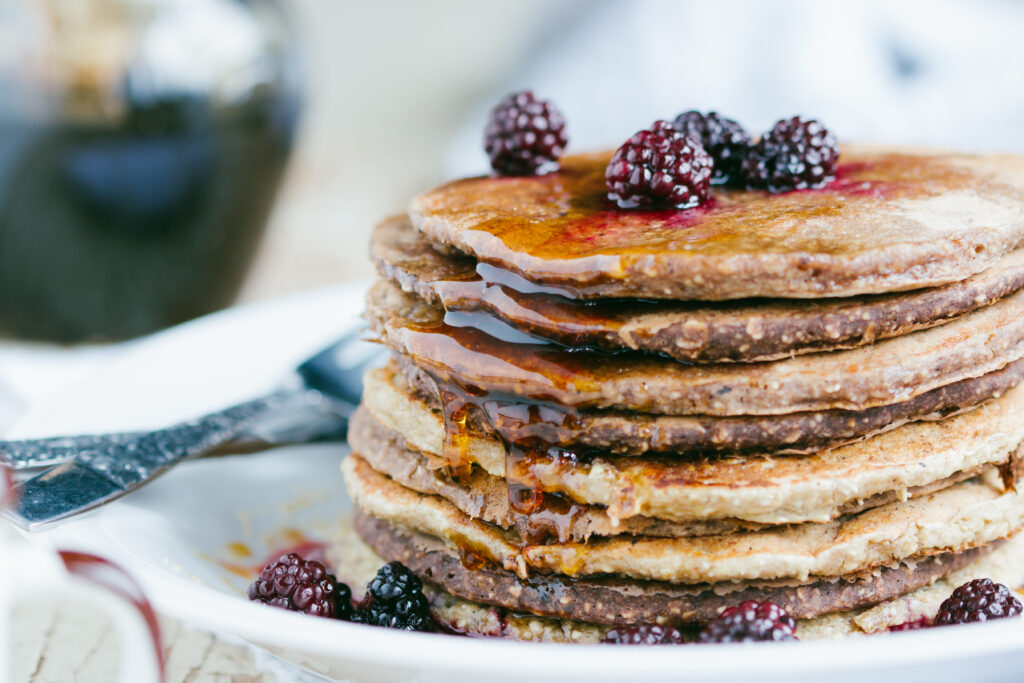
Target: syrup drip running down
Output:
[(474, 357), (475, 291), (550, 316), (521, 422), (546, 512), (472, 555), (525, 494), (455, 449), (514, 419)]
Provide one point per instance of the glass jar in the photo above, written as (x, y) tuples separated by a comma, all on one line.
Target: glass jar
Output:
[(142, 143)]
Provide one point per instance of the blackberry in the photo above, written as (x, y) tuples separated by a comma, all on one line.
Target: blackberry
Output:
[(524, 135), (395, 599), (794, 155), (659, 166), (748, 622), (295, 584), (978, 600), (724, 139), (645, 634), (913, 625)]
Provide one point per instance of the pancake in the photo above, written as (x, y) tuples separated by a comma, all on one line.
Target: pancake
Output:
[(639, 433), (754, 487), (355, 563), (623, 602), (741, 331), (894, 220), (890, 371), (966, 515), (481, 496), (382, 453)]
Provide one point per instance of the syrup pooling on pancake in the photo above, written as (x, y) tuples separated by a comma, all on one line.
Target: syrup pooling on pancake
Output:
[(569, 218), (891, 221), (740, 331)]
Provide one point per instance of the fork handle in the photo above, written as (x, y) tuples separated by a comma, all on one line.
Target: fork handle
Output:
[(148, 450)]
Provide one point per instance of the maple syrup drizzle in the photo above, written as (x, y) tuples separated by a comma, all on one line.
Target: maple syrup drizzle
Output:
[(473, 555), (563, 225), (541, 372), (525, 495), (534, 315), (555, 518), (525, 422), (455, 448), (472, 560), (544, 511), (548, 314)]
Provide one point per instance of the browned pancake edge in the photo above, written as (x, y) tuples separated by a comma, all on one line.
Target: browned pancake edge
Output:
[(616, 601)]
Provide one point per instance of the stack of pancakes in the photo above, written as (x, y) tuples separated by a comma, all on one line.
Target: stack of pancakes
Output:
[(598, 417)]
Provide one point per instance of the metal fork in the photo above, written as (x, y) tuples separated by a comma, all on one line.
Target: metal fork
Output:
[(90, 470)]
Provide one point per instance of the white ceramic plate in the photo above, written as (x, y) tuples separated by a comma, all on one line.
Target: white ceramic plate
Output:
[(176, 534)]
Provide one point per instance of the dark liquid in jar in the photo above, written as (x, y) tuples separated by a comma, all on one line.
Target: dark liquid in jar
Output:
[(115, 230)]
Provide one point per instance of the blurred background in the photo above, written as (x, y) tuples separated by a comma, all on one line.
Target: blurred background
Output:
[(145, 144)]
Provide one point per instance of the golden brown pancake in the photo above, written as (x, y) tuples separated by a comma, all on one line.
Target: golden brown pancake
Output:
[(555, 517), (895, 219), (625, 602), (737, 331), (355, 563), (641, 433), (763, 488), (966, 515)]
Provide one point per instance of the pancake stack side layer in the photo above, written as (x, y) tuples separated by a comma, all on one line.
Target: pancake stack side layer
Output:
[(597, 417)]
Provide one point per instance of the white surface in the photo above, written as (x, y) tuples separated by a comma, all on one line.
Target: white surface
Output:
[(174, 534), (30, 571)]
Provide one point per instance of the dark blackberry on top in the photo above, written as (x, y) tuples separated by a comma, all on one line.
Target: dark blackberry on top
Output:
[(394, 599), (750, 621), (659, 166), (524, 135), (978, 600), (724, 139), (796, 154)]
